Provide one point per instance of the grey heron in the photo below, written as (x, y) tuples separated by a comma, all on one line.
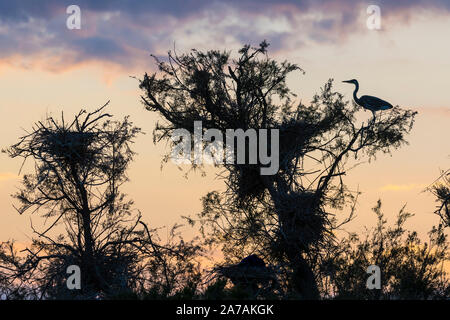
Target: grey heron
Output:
[(250, 272), (368, 102)]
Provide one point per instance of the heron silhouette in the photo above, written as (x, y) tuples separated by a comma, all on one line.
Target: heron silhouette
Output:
[(250, 273), (368, 102)]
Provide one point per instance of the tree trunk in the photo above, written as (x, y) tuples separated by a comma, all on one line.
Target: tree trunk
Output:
[(303, 279), (89, 270)]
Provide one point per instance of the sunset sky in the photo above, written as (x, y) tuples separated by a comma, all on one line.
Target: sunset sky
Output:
[(46, 68)]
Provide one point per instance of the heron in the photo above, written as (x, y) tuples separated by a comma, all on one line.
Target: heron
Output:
[(250, 272), (368, 102)]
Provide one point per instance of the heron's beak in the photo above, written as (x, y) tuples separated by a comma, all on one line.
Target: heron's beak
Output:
[(347, 81)]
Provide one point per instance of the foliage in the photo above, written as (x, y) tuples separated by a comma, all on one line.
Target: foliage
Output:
[(282, 217), (410, 268), (288, 219), (79, 168), (441, 190)]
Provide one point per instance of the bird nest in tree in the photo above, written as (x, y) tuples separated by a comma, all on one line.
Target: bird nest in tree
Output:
[(65, 145), (293, 136), (302, 217), (247, 178)]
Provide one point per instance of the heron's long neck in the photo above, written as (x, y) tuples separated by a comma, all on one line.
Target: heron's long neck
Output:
[(355, 91)]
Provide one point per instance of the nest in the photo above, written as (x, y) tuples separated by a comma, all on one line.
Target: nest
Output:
[(293, 137), (246, 275), (66, 145), (247, 181), (247, 178), (302, 218)]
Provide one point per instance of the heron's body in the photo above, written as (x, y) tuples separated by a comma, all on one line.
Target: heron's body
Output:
[(252, 261), (368, 102), (250, 272)]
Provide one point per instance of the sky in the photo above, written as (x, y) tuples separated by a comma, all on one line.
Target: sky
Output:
[(46, 68)]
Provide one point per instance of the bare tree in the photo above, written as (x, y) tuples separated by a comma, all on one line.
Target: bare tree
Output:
[(281, 217), (79, 167)]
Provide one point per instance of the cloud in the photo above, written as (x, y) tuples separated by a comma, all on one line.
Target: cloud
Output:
[(402, 187), (123, 33)]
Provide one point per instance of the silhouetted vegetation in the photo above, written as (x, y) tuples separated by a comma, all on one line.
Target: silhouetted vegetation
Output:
[(280, 234), (441, 189), (79, 167), (284, 217), (410, 268)]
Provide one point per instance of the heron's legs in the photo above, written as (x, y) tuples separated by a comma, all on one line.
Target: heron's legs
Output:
[(373, 118)]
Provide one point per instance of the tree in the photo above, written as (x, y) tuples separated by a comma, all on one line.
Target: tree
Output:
[(79, 167), (410, 268), (281, 217), (441, 190)]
